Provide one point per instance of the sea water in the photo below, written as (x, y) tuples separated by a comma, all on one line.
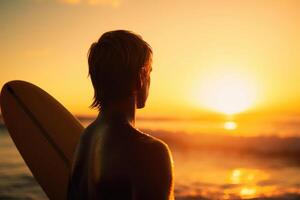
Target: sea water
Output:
[(202, 171)]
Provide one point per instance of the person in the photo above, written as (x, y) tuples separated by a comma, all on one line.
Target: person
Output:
[(114, 160)]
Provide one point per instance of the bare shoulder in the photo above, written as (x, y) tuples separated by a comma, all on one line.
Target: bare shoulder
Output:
[(90, 132), (150, 141), (153, 148), (153, 169)]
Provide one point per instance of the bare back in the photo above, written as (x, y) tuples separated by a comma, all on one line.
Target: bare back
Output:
[(115, 161)]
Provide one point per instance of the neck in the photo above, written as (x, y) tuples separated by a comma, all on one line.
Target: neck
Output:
[(123, 110)]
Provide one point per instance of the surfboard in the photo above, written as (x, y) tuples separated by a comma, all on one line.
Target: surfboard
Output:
[(44, 132)]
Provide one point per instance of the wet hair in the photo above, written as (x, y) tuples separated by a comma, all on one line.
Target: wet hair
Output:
[(115, 62)]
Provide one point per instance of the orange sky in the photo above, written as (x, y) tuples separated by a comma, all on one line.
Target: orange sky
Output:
[(195, 43)]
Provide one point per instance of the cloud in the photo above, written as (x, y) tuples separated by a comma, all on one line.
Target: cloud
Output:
[(112, 3)]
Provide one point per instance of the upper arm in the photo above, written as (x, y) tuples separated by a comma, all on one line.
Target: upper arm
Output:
[(154, 174)]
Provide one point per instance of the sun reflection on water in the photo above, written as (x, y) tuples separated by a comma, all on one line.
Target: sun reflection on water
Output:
[(235, 176), (230, 125), (248, 192), (248, 180)]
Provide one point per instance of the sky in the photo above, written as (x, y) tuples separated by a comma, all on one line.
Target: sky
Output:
[(222, 56)]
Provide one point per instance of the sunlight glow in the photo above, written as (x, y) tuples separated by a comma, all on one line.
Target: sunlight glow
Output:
[(248, 181), (235, 176), (230, 125), (228, 93), (248, 192), (247, 176)]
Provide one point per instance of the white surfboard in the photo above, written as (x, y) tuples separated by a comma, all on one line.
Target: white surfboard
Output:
[(44, 132)]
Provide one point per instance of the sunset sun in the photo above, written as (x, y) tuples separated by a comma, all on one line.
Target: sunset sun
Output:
[(228, 94)]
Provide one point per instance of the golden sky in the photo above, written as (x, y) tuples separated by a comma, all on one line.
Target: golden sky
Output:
[(198, 46)]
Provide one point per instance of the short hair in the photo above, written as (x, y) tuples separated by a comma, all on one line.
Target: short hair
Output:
[(115, 61)]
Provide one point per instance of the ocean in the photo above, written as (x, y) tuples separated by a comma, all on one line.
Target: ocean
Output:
[(207, 165)]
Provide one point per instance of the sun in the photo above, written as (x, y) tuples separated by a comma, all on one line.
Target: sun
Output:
[(228, 93)]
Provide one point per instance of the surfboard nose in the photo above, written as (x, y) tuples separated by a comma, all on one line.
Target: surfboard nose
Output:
[(8, 87), (4, 90)]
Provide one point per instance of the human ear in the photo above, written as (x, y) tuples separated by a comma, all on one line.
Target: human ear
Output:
[(140, 79)]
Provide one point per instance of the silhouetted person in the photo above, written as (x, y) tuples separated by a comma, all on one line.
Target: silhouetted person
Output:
[(113, 159)]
